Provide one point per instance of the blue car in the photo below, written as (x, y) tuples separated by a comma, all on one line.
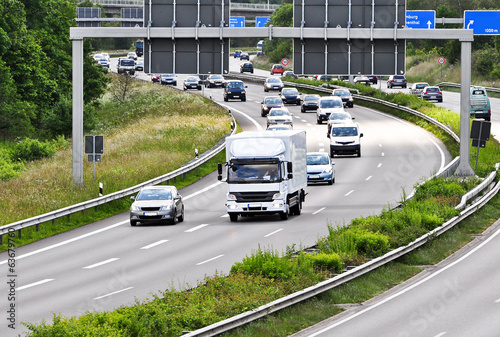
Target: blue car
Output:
[(320, 168)]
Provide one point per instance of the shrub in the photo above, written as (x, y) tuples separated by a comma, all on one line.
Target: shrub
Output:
[(324, 261), (32, 149), (447, 188)]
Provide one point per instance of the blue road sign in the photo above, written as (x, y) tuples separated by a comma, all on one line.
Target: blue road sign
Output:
[(260, 21), (421, 19), (237, 21), (482, 22)]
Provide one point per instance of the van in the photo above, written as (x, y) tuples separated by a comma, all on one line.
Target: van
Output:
[(259, 44), (345, 139)]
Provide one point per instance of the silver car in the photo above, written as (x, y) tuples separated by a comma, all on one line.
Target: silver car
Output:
[(157, 204), (279, 116)]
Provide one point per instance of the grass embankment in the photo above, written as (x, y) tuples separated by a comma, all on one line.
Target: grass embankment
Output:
[(266, 275), (153, 132)]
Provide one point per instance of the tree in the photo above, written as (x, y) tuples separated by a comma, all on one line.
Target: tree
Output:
[(279, 48)]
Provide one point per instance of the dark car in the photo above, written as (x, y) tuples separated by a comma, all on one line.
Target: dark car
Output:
[(323, 78), (268, 103), (215, 81), (192, 82), (272, 83), (235, 89), (277, 69), (157, 204), (244, 56), (310, 102), (290, 96), (246, 67), (432, 93), (345, 95), (290, 74), (373, 79), (396, 81)]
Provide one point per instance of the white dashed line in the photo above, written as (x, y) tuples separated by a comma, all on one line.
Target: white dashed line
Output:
[(101, 263), (195, 228), (368, 178), (213, 258), (497, 301), (35, 284), (110, 294), (276, 231), (440, 334), (383, 154), (319, 210), (154, 244), (379, 165), (345, 195)]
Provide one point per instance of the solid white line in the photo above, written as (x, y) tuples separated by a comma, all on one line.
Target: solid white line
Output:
[(69, 241), (407, 289), (345, 195), (34, 284), (154, 244), (213, 258), (195, 228), (440, 334), (319, 210), (276, 231), (101, 263), (202, 190), (368, 178), (110, 294), (257, 125)]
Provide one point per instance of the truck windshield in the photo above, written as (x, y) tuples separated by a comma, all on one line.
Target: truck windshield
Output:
[(254, 173)]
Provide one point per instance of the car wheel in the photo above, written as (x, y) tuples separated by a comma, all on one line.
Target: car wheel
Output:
[(133, 223), (297, 208), (181, 217), (174, 219), (225, 99), (302, 110), (233, 217), (284, 215), (244, 99), (330, 182), (319, 120), (359, 153)]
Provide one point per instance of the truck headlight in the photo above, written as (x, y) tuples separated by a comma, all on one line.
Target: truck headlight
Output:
[(277, 205), (232, 206)]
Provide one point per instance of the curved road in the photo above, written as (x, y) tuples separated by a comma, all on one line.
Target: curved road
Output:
[(107, 264)]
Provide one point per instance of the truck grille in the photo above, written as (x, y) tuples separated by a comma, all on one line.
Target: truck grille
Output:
[(254, 196)]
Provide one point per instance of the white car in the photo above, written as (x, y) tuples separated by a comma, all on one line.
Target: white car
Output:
[(279, 116), (345, 139), (132, 55), (328, 105)]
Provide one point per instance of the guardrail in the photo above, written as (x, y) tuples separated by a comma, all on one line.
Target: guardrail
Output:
[(67, 211), (456, 85)]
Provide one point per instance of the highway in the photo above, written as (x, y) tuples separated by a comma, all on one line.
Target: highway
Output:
[(107, 264)]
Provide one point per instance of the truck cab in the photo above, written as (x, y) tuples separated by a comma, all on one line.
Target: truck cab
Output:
[(480, 103)]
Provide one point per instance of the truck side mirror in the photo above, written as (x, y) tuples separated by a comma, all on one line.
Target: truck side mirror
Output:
[(361, 134), (219, 171), (289, 168)]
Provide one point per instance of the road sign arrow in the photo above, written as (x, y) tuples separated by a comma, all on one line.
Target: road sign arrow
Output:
[(470, 23), (429, 24)]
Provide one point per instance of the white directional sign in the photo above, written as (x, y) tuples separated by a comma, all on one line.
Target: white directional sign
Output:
[(482, 22), (421, 19)]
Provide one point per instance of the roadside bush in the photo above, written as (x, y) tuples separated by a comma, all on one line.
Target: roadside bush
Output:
[(32, 149), (440, 187), (323, 261), (8, 169)]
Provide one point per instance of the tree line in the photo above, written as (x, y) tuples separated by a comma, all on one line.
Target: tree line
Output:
[(36, 68)]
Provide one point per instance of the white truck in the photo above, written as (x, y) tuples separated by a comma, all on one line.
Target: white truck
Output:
[(266, 173)]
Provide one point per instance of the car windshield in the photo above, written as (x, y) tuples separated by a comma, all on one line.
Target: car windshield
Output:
[(154, 194), (421, 85), (344, 131), (278, 112), (339, 116), (341, 93), (252, 173), (127, 62), (478, 92), (168, 75), (399, 77), (191, 79), (290, 92), (217, 77), (272, 100), (311, 98), (430, 89), (317, 159), (330, 103), (273, 80), (235, 85)]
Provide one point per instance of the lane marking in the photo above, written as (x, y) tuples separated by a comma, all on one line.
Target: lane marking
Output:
[(213, 258), (34, 284), (110, 294), (497, 301), (379, 165), (154, 244), (345, 195), (224, 216), (254, 122), (368, 178), (376, 305), (319, 210), (202, 190), (440, 334), (379, 145), (98, 264), (68, 241), (195, 228), (383, 154), (272, 233)]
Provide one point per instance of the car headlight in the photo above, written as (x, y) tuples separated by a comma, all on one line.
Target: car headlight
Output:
[(327, 170), (165, 208), (134, 208)]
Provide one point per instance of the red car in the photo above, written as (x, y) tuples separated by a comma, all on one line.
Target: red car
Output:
[(277, 69), (155, 78)]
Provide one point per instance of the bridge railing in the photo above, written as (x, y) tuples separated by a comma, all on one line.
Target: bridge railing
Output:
[(141, 3)]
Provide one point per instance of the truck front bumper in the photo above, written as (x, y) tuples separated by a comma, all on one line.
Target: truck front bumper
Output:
[(275, 206)]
